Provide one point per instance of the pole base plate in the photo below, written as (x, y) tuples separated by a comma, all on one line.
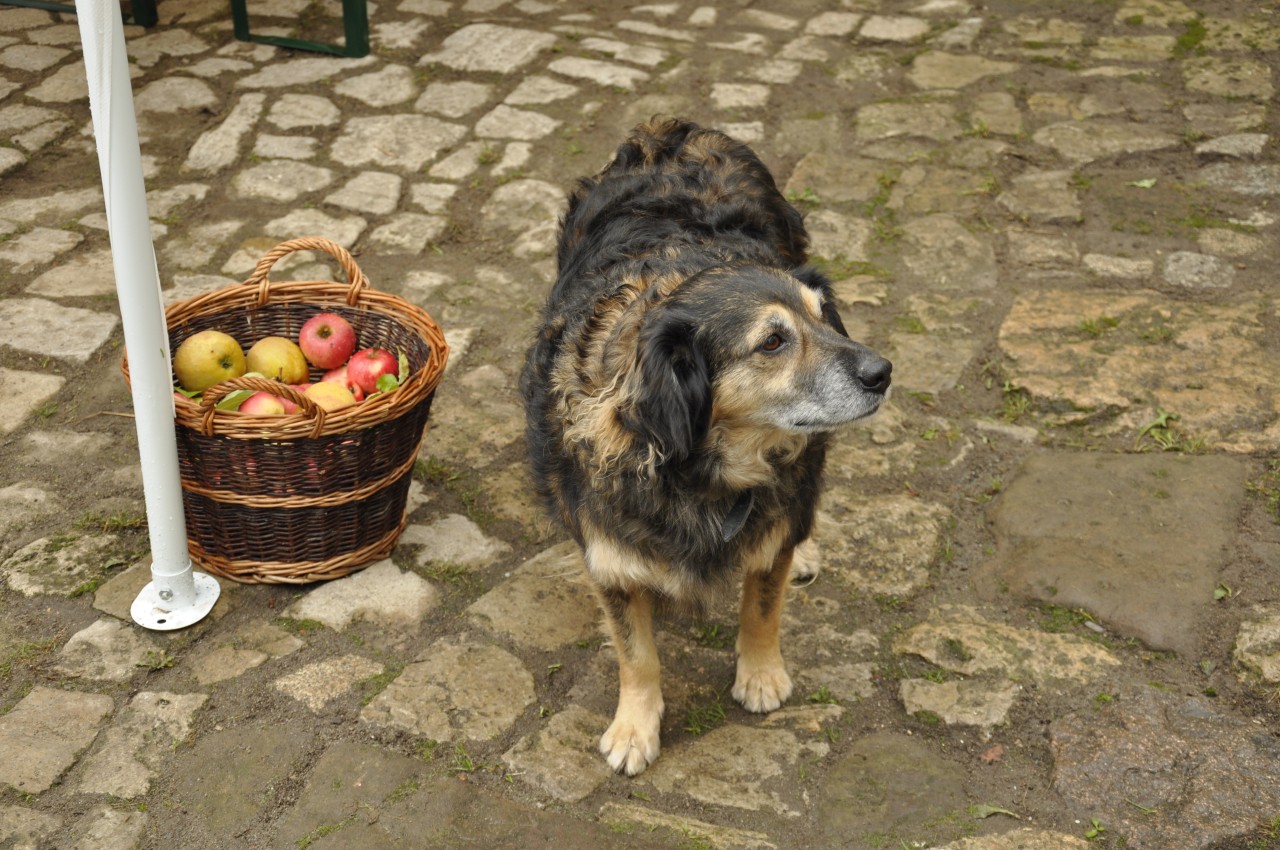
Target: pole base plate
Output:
[(152, 612)]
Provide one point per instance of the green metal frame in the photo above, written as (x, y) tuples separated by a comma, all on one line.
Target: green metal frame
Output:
[(143, 12), (355, 25)]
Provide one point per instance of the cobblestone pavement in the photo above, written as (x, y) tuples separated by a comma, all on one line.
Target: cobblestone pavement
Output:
[(1048, 615)]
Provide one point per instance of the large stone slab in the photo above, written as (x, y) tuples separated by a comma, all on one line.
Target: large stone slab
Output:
[(962, 640), (1081, 142), (43, 734), (22, 828), (887, 790), (347, 779), (381, 592), (927, 119), (1026, 838), (1165, 769), (87, 274), (108, 650), (1245, 178), (53, 565), (1231, 77), (622, 816), (971, 702), (1257, 648), (252, 645), (457, 690), (490, 47), (1137, 540), (219, 147), (1138, 351), (407, 142), (107, 827), (941, 253), (317, 684), (455, 540), (220, 784), (882, 545), (140, 737), (547, 602), (445, 812), (382, 88), (40, 327), (562, 758), (1043, 196), (52, 208), (298, 72), (35, 388), (939, 70), (834, 178), (738, 766), (280, 180)]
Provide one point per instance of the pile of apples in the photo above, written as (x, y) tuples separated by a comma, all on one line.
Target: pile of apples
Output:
[(326, 341)]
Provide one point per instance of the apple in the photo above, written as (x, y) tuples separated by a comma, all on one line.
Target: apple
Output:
[(365, 367), (327, 340), (279, 359), (207, 358), (330, 395), (263, 404), (289, 405), (340, 375)]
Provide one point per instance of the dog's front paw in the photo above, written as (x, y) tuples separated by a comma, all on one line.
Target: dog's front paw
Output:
[(761, 688), (632, 741)]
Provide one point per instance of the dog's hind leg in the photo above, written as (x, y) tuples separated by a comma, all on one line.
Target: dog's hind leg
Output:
[(631, 742), (806, 564), (762, 683)]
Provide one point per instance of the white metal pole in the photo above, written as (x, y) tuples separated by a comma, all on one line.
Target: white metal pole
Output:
[(176, 596)]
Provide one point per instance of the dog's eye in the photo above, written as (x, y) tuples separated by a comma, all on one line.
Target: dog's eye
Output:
[(772, 343)]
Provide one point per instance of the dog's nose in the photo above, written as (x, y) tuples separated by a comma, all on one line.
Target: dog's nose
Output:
[(874, 374)]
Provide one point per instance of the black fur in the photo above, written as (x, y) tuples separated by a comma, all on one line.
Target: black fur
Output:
[(677, 201)]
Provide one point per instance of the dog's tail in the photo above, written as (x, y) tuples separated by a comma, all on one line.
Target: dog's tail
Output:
[(672, 175)]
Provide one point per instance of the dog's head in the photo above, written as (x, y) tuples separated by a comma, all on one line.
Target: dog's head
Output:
[(753, 347)]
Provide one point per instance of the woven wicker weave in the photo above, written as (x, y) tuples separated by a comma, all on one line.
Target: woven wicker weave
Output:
[(311, 495)]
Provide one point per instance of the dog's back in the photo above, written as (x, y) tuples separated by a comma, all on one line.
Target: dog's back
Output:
[(674, 185)]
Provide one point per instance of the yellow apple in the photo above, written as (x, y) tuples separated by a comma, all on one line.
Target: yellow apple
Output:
[(279, 359), (207, 358), (330, 395)]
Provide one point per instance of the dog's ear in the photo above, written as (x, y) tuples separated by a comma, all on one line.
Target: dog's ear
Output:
[(671, 402), (817, 281)]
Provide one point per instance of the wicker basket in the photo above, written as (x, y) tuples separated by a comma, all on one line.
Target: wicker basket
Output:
[(311, 495)]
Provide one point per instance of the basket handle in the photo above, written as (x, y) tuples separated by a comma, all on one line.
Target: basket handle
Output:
[(358, 282), (213, 395)]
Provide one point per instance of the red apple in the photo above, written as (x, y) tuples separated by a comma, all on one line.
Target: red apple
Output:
[(327, 340), (340, 376), (365, 367), (263, 404), (292, 406)]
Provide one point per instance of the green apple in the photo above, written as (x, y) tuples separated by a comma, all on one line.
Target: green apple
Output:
[(207, 358), (279, 359)]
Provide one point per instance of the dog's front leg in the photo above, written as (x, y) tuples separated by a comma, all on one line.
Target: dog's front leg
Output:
[(762, 682), (631, 742)]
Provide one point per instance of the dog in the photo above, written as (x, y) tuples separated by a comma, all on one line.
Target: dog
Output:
[(679, 396)]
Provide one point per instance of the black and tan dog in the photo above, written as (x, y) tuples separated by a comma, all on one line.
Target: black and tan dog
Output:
[(679, 398)]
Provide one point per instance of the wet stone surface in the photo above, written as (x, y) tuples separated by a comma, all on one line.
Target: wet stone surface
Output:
[(1046, 614)]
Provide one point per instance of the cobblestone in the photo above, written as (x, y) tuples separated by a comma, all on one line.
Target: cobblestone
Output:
[(1059, 225)]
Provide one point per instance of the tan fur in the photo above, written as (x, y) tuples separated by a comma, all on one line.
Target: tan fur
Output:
[(762, 683)]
